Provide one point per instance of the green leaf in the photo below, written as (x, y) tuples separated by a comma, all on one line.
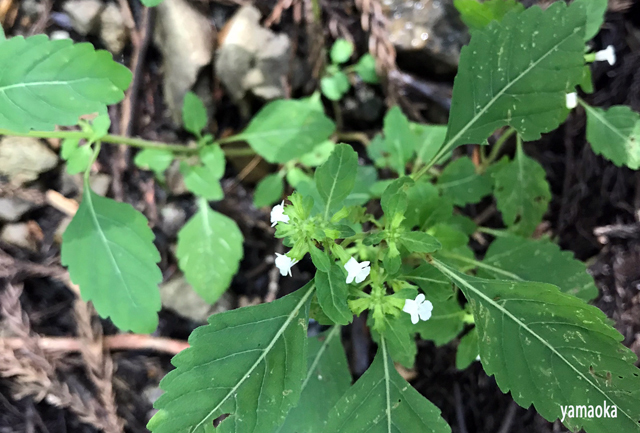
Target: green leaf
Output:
[(2, 35), (432, 282), (467, 350), (381, 401), (78, 157), (449, 236), (517, 73), (478, 15), (341, 51), (336, 177), (446, 321), (269, 190), (551, 349), (156, 160), (320, 259), (522, 193), (419, 242), (399, 140), (335, 86), (429, 140), (328, 378), (53, 83), (595, 10), (209, 252), (204, 180), (366, 176), (151, 3), (100, 127), (516, 258), (425, 206), (287, 129), (399, 335), (460, 181), (194, 114), (319, 154), (366, 69), (615, 134), (332, 291), (108, 248), (248, 362)]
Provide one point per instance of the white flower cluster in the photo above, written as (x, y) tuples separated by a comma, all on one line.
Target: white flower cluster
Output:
[(607, 55), (357, 272)]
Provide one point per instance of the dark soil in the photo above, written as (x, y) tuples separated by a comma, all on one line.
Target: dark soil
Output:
[(588, 193)]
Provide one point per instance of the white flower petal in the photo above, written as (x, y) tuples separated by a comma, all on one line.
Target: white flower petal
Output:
[(571, 100), (410, 306), (277, 214), (356, 271), (420, 298), (284, 263), (608, 55), (424, 310), (414, 318)]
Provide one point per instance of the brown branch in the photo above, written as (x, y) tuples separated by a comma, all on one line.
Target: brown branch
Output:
[(111, 342)]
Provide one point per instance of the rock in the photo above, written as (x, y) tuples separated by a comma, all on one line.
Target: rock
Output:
[(185, 38), (251, 57), (12, 208), (24, 235), (84, 14), (113, 32), (72, 185), (59, 34), (428, 33), (179, 296), (24, 158), (172, 218)]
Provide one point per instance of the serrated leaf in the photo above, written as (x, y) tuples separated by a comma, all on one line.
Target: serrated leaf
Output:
[(332, 291), (209, 252), (429, 140), (419, 242), (335, 86), (460, 181), (446, 321), (248, 362), (520, 259), (335, 178), (522, 193), (478, 15), (319, 154), (269, 190), (551, 349), (108, 248), (204, 180), (366, 69), (156, 160), (426, 207), (615, 134), (381, 401), (78, 157), (517, 73), (328, 378), (320, 259), (194, 114), (53, 83), (595, 10), (287, 129), (341, 51), (399, 140), (399, 335), (467, 350)]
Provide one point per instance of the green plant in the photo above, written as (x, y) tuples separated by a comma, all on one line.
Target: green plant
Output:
[(407, 265), (335, 83)]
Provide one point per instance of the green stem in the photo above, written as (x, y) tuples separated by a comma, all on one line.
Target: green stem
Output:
[(495, 150), (493, 232), (119, 139), (482, 265), (94, 157)]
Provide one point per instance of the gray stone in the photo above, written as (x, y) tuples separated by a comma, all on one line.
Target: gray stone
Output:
[(252, 58), (84, 14), (172, 218), (430, 31), (24, 158), (12, 208), (113, 32), (178, 295), (20, 235), (185, 38)]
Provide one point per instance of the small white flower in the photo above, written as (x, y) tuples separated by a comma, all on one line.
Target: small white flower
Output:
[(285, 263), (277, 214), (419, 309), (608, 54), (357, 271), (478, 358), (572, 100)]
